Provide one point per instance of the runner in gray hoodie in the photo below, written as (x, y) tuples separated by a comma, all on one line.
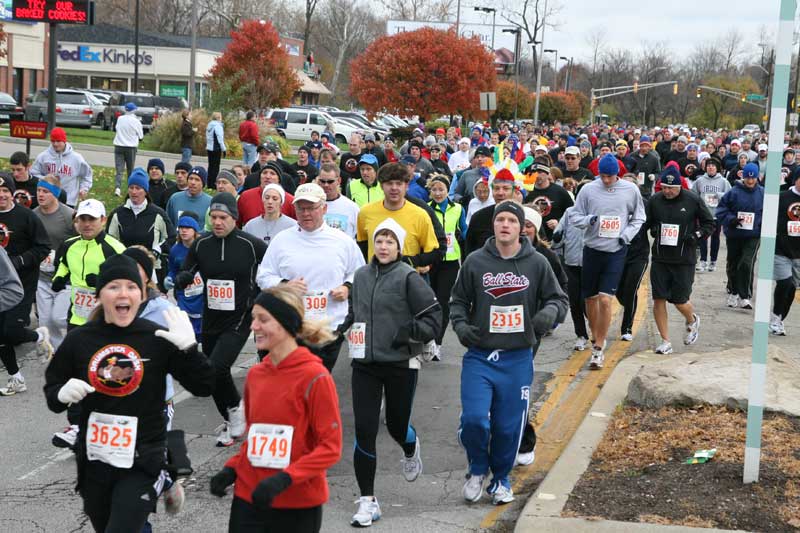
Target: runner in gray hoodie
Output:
[(70, 166), (711, 187)]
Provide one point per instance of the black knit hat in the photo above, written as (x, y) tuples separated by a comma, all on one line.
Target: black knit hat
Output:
[(275, 167), (183, 166), (141, 257), (510, 206), (118, 267), (225, 202)]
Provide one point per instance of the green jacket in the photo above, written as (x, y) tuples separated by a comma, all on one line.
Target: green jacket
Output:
[(363, 194)]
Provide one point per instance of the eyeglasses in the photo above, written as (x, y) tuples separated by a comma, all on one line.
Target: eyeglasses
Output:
[(326, 182), (299, 209)]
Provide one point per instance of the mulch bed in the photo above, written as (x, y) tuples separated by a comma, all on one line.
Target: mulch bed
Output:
[(638, 472)]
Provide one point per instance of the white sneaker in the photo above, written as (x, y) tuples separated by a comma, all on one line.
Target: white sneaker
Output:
[(581, 344), (428, 350), (473, 488), (598, 357), (44, 348), (412, 466), (525, 459), (733, 300), (437, 352), (174, 498), (236, 419), (13, 386), (692, 331), (368, 512), (744, 303), (224, 438), (500, 493), (664, 348), (117, 192), (627, 337), (712, 266), (776, 326), (66, 438), (701, 266)]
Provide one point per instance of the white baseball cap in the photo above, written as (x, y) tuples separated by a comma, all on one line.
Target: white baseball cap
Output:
[(541, 147), (310, 192), (93, 208), (763, 147), (572, 150)]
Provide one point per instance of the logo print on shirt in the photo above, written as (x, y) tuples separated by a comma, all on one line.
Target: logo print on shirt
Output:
[(23, 198), (116, 370), (5, 235), (543, 204), (498, 285), (793, 212)]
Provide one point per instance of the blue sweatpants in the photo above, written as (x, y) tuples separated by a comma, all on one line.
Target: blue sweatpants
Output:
[(495, 390)]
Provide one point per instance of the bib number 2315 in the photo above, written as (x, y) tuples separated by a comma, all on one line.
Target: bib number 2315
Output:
[(506, 319)]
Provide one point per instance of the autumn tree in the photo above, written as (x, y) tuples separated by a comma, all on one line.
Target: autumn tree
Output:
[(511, 97), (254, 68), (392, 75)]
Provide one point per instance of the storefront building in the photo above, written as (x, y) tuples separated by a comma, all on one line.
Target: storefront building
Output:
[(23, 68)]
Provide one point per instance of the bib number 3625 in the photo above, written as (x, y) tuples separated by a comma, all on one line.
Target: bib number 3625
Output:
[(269, 445), (111, 439), (506, 319)]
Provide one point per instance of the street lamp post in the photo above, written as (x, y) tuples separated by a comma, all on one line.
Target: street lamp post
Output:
[(644, 118), (539, 69), (517, 34), (569, 72), (136, 51), (493, 11), (555, 67)]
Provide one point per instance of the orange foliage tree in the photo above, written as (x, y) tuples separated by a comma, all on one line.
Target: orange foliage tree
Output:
[(426, 72), (254, 68), (564, 107), (507, 92)]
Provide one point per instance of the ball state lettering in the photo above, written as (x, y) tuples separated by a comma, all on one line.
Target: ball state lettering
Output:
[(503, 283)]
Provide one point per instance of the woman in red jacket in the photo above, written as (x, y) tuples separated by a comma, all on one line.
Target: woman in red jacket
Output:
[(294, 431)]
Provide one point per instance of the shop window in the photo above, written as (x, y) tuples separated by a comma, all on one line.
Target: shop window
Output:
[(110, 84)]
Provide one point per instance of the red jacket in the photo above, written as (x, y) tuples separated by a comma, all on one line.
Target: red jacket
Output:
[(299, 392), (251, 205), (248, 132), (596, 162)]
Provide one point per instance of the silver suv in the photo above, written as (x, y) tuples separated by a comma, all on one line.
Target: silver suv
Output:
[(145, 104), (73, 107)]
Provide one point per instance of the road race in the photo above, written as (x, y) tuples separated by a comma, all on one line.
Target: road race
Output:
[(427, 267)]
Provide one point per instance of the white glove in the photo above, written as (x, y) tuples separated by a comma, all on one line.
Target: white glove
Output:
[(180, 332), (168, 283), (74, 391)]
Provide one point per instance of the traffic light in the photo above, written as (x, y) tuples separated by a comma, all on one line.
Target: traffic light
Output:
[(699, 92), (675, 89), (635, 87), (790, 102)]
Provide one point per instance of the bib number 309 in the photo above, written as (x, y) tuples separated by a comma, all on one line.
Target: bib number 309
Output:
[(269, 445)]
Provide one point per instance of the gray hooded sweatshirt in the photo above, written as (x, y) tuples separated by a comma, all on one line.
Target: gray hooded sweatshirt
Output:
[(70, 166)]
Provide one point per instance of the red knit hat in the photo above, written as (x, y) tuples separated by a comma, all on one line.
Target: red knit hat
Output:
[(58, 134)]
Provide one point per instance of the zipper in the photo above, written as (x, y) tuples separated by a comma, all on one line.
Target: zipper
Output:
[(371, 307), (83, 261)]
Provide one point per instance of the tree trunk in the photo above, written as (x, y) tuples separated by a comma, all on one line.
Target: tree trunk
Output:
[(337, 69)]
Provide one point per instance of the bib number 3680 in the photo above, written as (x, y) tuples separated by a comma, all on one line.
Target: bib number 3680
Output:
[(269, 445), (221, 294)]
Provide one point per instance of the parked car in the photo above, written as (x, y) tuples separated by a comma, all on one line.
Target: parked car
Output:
[(73, 107), (750, 129), (297, 123), (170, 104), (146, 109), (361, 120), (9, 110)]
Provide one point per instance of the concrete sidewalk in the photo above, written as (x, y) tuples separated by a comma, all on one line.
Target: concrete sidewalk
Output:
[(543, 511)]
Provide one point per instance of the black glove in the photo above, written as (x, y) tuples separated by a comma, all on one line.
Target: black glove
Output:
[(59, 284), (655, 232), (183, 279), (468, 335), (91, 280), (622, 242), (16, 261), (735, 223), (222, 480), (403, 335), (544, 320), (268, 488)]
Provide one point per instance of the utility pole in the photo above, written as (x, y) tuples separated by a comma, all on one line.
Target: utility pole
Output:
[(539, 69), (517, 45), (52, 58), (555, 67), (136, 50), (192, 57)]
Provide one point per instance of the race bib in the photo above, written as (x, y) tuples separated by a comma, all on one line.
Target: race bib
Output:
[(610, 227), (711, 199), (196, 288), (221, 294), (47, 265), (357, 340), (111, 439), (269, 445), (669, 234), (506, 319), (316, 304), (793, 228), (747, 219), (451, 238), (640, 178), (84, 303)]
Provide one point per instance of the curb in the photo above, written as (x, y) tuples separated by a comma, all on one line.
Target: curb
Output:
[(542, 512)]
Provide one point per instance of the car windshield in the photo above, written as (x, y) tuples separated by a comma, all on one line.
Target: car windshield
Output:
[(72, 98), (141, 101), (7, 99)]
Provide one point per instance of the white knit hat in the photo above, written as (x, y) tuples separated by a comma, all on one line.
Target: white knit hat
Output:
[(395, 228)]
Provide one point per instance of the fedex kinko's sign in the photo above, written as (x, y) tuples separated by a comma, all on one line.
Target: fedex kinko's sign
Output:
[(96, 54)]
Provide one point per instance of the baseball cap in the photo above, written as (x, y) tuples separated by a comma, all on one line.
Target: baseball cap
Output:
[(130, 106), (750, 170), (763, 147), (310, 192), (369, 159), (541, 147), (484, 151), (572, 150), (408, 160), (93, 208)]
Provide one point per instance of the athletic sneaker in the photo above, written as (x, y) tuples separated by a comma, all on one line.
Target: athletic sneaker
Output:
[(44, 348), (627, 336), (776, 326), (501, 494), (473, 488), (665, 348), (224, 438), (412, 466), (437, 352), (598, 357), (733, 300), (117, 192), (712, 266), (581, 344), (174, 498), (744, 303), (692, 331), (428, 351), (701, 266), (13, 386), (66, 438), (236, 418), (368, 512), (525, 459)]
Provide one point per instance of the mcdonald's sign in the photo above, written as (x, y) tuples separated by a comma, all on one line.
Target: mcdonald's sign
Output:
[(26, 129)]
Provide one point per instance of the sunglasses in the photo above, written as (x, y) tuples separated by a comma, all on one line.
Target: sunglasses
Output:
[(326, 182)]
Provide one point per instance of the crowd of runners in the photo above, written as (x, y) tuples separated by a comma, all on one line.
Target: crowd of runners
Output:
[(496, 232)]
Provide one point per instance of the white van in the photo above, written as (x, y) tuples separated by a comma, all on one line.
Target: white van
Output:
[(297, 123)]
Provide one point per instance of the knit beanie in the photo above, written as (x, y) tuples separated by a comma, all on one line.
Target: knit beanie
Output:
[(188, 222), (156, 163), (228, 176), (512, 207), (141, 257), (670, 176), (7, 181), (275, 167), (118, 267), (183, 166), (274, 187), (225, 202), (201, 173), (398, 231), (608, 165), (533, 216), (58, 134), (139, 178)]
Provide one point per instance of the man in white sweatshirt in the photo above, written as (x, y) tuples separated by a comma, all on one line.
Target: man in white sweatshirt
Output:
[(126, 143), (293, 257), (70, 167)]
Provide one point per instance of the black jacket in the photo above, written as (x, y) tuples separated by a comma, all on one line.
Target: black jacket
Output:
[(694, 222), (151, 228), (158, 191), (26, 241), (788, 210)]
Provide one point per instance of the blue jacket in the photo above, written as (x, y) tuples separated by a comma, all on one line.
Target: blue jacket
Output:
[(417, 189), (193, 305), (213, 129), (737, 200)]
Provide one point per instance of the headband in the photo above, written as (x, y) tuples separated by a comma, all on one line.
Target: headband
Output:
[(55, 191), (286, 315)]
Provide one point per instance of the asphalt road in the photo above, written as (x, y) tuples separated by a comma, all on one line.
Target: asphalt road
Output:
[(37, 494)]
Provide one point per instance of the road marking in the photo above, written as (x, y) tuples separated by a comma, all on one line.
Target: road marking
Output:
[(53, 459), (554, 432)]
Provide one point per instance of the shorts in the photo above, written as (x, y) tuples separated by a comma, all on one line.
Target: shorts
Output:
[(602, 271), (671, 282), (787, 268)]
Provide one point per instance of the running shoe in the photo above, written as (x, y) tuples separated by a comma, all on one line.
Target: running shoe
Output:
[(581, 344), (692, 331), (66, 438), (665, 348), (712, 266), (13, 386), (437, 352), (473, 488), (412, 466), (627, 336), (701, 266), (744, 303), (428, 351), (224, 438), (598, 357), (44, 348), (501, 494), (525, 459), (236, 419), (776, 326), (117, 192), (733, 300), (368, 512), (174, 498)]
